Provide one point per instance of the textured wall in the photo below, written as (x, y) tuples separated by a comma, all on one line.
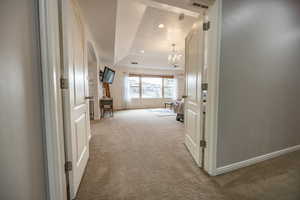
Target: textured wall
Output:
[(21, 149), (259, 78)]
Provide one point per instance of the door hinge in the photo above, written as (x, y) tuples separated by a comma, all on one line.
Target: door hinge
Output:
[(203, 143), (64, 83), (206, 26), (68, 166)]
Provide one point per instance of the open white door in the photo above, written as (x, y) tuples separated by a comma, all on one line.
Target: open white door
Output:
[(76, 112), (194, 65)]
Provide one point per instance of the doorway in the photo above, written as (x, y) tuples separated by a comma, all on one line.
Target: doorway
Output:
[(93, 81), (80, 95)]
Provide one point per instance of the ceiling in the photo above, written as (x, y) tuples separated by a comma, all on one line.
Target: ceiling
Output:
[(100, 17), (156, 43), (127, 31)]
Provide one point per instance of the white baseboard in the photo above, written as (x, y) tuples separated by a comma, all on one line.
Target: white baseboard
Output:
[(252, 161)]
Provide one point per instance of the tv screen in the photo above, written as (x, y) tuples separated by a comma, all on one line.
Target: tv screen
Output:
[(108, 75)]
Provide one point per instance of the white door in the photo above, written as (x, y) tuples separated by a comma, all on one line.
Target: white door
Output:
[(194, 62), (76, 110)]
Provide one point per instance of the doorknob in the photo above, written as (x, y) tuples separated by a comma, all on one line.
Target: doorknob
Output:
[(89, 98)]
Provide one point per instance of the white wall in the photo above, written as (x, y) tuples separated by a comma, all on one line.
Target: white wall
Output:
[(117, 88), (21, 141)]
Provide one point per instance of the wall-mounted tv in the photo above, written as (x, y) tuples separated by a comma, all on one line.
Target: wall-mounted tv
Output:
[(108, 75)]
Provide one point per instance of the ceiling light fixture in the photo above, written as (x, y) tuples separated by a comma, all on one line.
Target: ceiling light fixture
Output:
[(174, 58), (161, 26)]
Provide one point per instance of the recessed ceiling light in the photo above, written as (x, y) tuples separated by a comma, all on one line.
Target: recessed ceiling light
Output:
[(161, 26), (142, 51)]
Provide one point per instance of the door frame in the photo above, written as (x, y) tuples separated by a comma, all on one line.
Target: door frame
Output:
[(53, 115), (54, 146), (213, 48)]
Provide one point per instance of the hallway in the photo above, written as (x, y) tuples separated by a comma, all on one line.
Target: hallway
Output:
[(140, 156)]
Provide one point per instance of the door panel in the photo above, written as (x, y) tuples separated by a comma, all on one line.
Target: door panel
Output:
[(192, 123), (192, 70), (76, 108), (193, 105), (191, 126), (80, 130), (79, 68)]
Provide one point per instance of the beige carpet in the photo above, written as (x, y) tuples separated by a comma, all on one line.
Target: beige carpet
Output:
[(139, 156)]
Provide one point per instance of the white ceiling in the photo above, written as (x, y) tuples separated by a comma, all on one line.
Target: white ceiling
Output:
[(122, 28), (100, 16), (157, 43), (129, 16)]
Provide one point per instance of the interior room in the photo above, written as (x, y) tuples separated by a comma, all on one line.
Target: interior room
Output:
[(137, 94), (149, 100), (152, 113), (151, 72)]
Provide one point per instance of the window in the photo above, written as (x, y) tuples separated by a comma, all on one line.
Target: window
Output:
[(148, 87), (151, 87), (169, 88), (134, 86)]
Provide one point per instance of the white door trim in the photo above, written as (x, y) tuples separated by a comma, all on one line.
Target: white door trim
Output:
[(214, 14), (53, 126)]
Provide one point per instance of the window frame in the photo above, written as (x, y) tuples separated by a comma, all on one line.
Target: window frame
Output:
[(164, 87), (139, 86), (161, 88), (140, 76)]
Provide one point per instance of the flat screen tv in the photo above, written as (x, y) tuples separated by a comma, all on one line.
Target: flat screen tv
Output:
[(108, 75)]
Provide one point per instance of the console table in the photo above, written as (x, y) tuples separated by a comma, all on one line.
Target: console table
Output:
[(170, 104), (106, 105)]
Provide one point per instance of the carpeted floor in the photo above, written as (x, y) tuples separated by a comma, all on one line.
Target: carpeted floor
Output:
[(139, 156)]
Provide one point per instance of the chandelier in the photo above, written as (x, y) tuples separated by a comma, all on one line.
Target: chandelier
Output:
[(174, 58)]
